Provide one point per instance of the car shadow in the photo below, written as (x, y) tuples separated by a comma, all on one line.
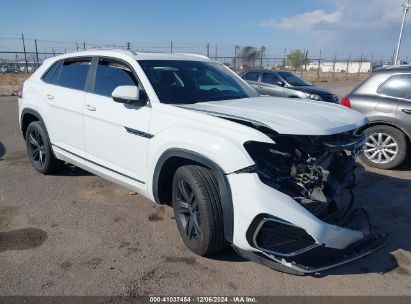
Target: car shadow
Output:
[(2, 150), (71, 170), (387, 200), (228, 255)]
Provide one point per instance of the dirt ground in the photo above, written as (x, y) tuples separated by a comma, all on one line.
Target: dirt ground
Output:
[(9, 83), (74, 233)]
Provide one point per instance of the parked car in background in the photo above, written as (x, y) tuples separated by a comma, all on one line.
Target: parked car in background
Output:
[(385, 98), (286, 84), (7, 69)]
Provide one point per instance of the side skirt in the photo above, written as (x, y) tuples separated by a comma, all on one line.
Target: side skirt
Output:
[(101, 171)]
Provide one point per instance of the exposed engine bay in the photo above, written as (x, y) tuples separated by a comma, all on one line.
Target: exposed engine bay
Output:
[(316, 171)]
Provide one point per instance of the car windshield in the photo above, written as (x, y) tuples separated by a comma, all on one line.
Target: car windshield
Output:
[(293, 79), (184, 81)]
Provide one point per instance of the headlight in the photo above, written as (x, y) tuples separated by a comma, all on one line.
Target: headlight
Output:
[(312, 96)]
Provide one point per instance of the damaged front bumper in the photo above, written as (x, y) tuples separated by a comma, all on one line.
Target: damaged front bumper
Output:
[(304, 228)]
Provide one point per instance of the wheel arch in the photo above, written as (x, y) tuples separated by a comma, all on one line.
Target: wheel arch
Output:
[(28, 115), (383, 123), (174, 158)]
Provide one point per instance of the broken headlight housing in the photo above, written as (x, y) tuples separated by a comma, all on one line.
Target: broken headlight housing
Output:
[(316, 171)]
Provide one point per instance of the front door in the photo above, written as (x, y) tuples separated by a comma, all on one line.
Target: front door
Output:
[(116, 134)]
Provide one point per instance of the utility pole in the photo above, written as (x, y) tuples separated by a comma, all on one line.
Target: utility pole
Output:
[(319, 66), (406, 6), (305, 61), (348, 66), (171, 47), (25, 55), (37, 53), (235, 57), (359, 66), (208, 50), (335, 59)]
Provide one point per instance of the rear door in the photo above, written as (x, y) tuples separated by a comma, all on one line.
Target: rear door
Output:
[(396, 91), (269, 85), (116, 134), (253, 77), (65, 93)]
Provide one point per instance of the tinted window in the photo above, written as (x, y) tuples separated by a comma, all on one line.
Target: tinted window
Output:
[(397, 86), (73, 73), (52, 74), (111, 74), (270, 78), (179, 81), (252, 76), (293, 79)]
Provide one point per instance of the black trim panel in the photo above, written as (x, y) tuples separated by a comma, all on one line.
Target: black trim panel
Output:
[(97, 164), (139, 133)]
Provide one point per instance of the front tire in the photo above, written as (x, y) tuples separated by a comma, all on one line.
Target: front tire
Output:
[(385, 147), (197, 209), (39, 149)]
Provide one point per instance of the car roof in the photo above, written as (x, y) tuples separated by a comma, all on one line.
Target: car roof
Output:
[(393, 68), (135, 55), (265, 70)]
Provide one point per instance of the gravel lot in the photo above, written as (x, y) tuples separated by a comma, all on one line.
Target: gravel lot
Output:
[(76, 234)]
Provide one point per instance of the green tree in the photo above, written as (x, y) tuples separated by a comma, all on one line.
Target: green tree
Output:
[(295, 59), (249, 54)]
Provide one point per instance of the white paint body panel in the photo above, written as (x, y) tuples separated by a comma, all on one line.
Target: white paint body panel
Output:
[(289, 115), (251, 197), (97, 141)]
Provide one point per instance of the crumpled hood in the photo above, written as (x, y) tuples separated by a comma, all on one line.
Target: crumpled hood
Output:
[(286, 115)]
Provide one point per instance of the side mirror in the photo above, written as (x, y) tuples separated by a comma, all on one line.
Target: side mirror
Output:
[(280, 83), (127, 94)]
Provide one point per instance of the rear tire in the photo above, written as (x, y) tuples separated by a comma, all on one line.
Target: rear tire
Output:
[(39, 149), (197, 209), (385, 147)]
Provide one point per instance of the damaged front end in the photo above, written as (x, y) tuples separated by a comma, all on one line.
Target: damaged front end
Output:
[(317, 174)]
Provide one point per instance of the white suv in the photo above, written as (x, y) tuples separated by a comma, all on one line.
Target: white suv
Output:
[(271, 176)]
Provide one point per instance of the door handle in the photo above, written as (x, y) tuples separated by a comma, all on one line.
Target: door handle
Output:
[(50, 97), (91, 107), (406, 111)]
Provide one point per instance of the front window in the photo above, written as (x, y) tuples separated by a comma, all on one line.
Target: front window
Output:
[(182, 82), (293, 79)]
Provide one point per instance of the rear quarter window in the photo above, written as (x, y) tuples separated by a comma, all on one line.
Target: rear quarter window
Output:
[(397, 86), (251, 76), (51, 76)]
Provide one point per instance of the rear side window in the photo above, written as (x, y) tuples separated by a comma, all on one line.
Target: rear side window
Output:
[(270, 78), (397, 86), (73, 73), (110, 74), (252, 76), (52, 74)]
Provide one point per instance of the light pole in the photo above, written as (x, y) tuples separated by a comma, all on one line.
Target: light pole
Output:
[(406, 6)]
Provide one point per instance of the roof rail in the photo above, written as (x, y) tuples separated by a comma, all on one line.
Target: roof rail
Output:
[(394, 67)]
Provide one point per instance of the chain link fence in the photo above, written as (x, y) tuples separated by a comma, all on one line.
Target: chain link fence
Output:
[(32, 52)]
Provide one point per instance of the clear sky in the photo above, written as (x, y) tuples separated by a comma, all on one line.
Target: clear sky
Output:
[(343, 26)]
